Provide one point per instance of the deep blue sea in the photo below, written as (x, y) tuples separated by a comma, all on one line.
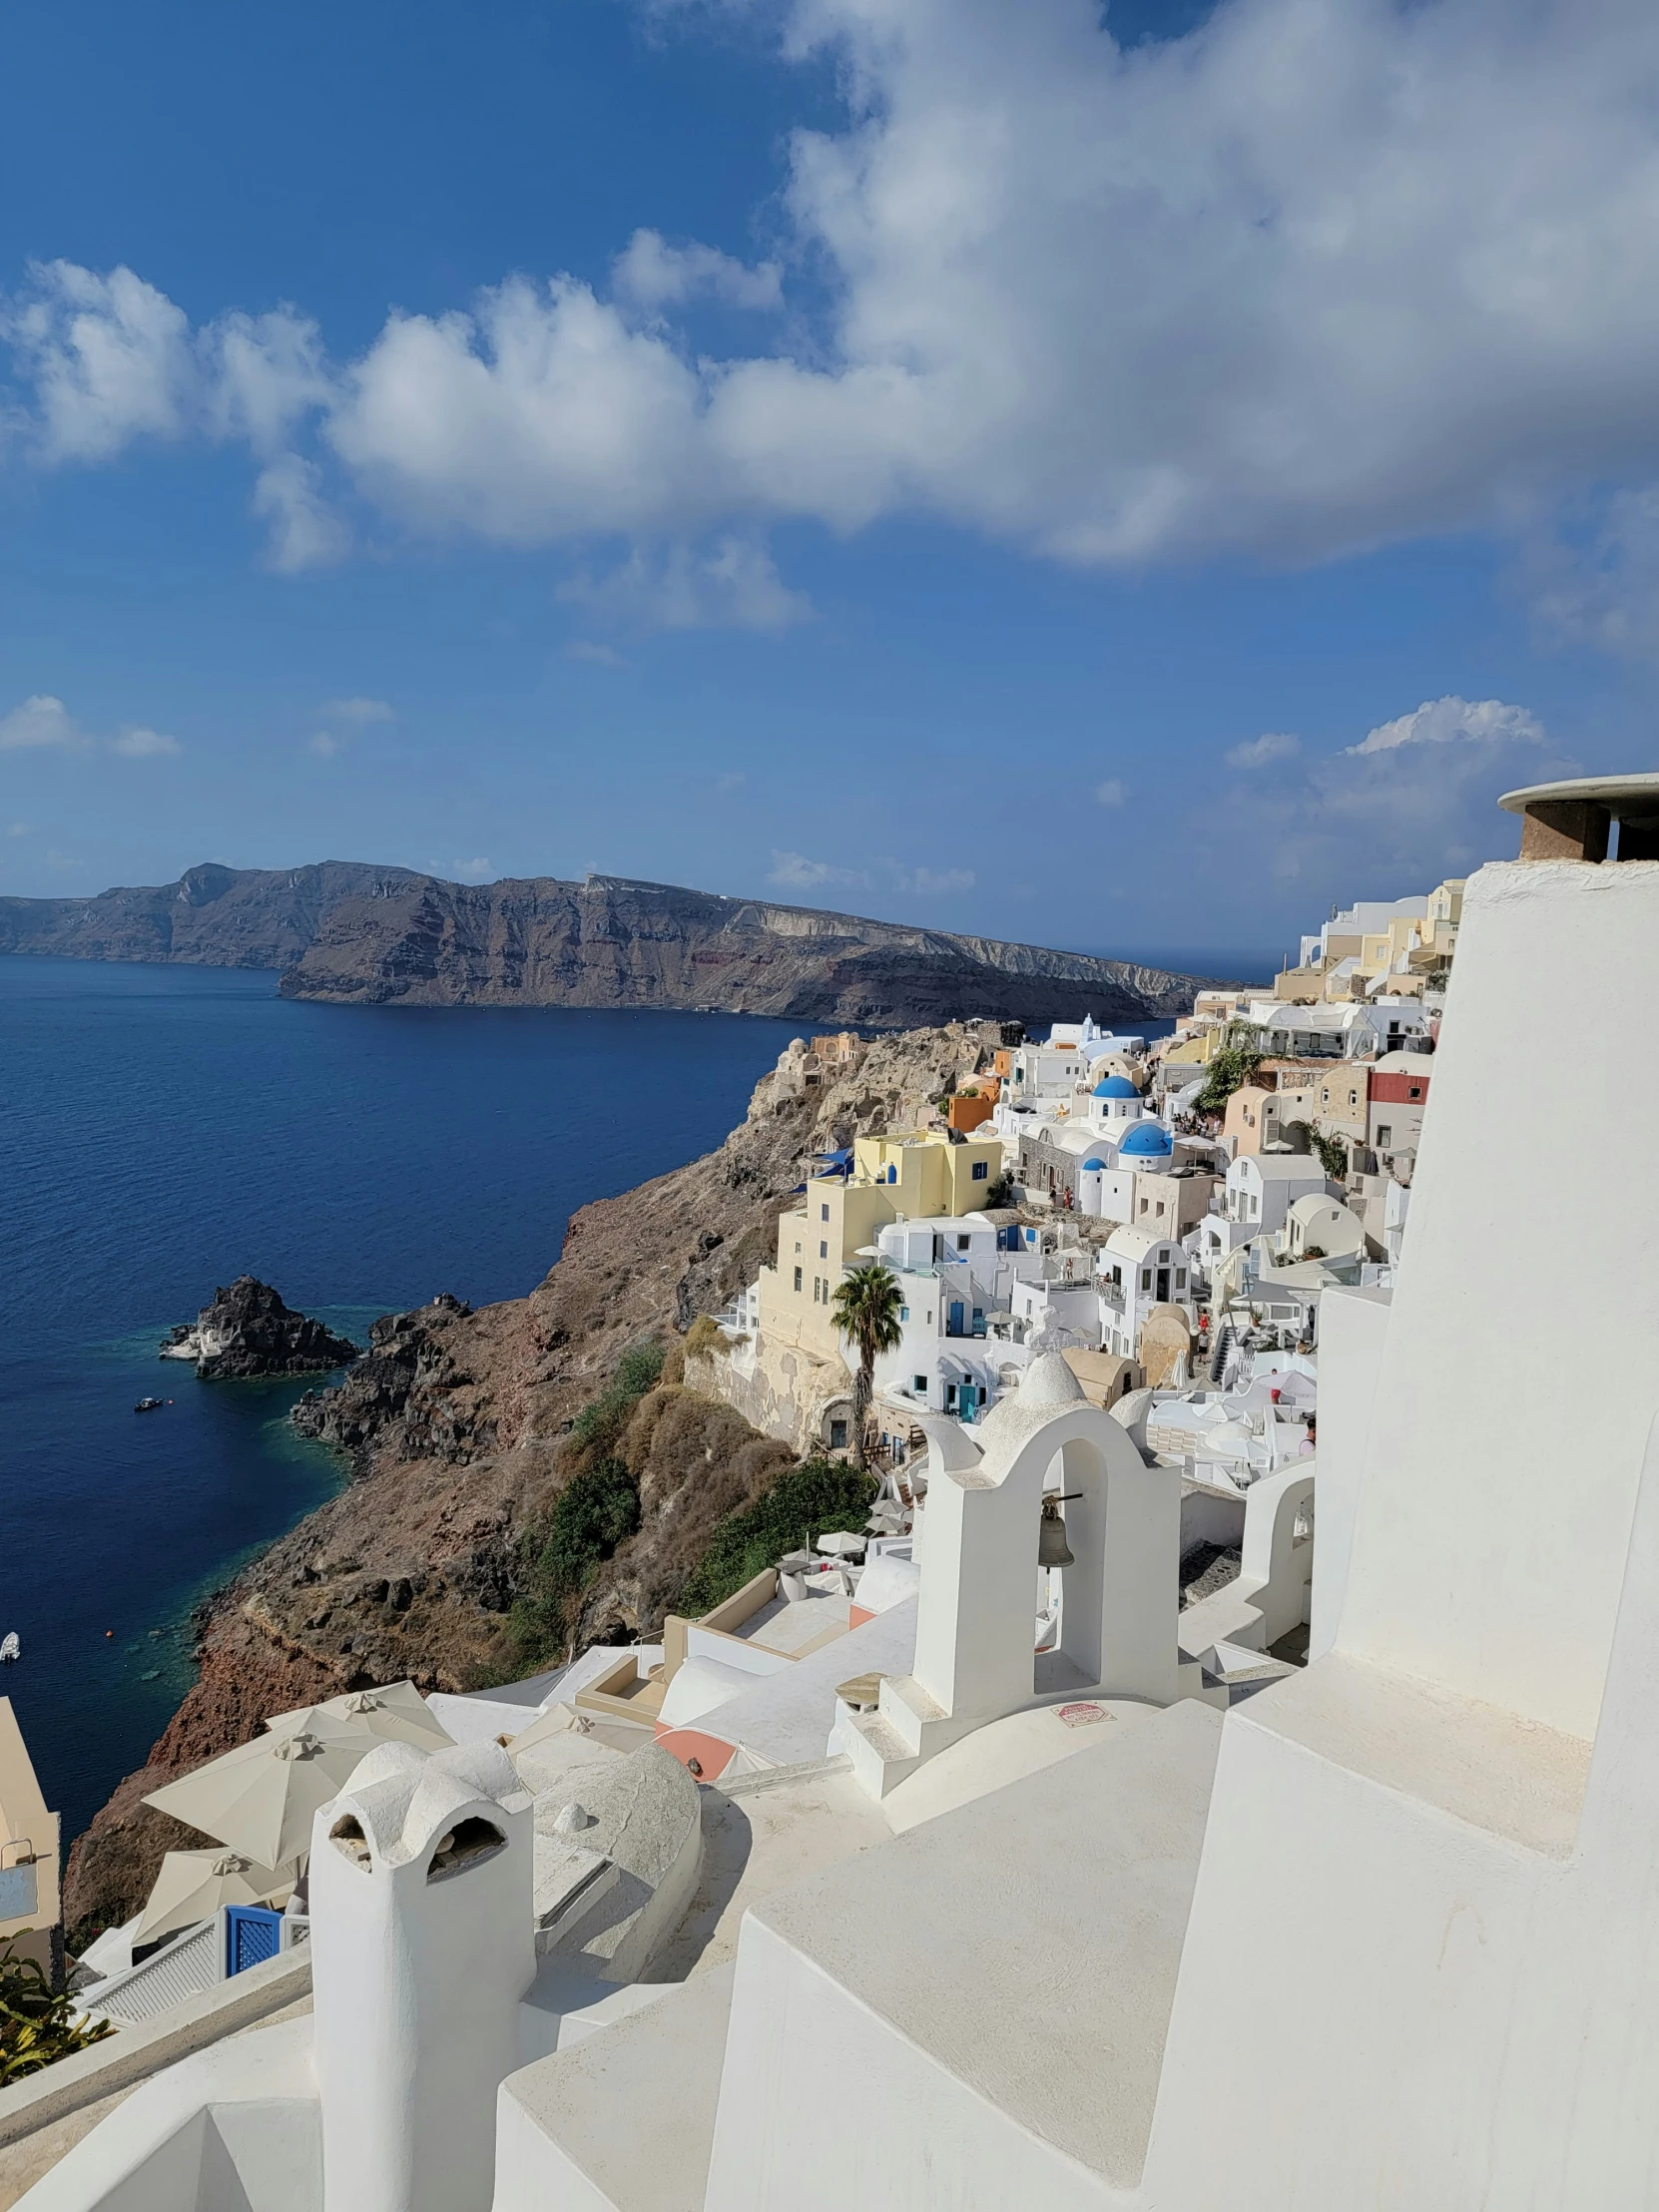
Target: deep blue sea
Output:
[(165, 1129)]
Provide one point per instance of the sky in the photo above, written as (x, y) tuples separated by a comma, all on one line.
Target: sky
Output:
[(1122, 478)]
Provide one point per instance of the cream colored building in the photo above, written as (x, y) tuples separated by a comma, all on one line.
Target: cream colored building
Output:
[(30, 1909), (910, 1174)]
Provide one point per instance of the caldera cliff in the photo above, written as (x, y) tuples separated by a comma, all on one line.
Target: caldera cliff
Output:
[(455, 1427), (359, 934)]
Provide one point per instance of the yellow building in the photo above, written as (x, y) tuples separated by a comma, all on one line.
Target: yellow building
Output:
[(917, 1174)]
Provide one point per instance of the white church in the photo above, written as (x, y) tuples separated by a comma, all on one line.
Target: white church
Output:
[(1038, 1898)]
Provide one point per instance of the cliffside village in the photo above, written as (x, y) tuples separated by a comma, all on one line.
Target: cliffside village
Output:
[(1166, 1214), (1085, 1827)]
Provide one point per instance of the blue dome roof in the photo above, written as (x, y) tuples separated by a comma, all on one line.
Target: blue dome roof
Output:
[(1147, 1141), (1089, 1166), (1115, 1086)]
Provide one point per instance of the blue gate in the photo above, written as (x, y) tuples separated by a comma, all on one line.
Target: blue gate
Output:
[(252, 1934)]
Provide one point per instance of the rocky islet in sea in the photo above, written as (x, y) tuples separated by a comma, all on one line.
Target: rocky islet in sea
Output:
[(249, 1331)]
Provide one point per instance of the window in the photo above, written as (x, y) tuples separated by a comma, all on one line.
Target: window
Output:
[(905, 1312), (1416, 1090), (962, 1244), (1353, 1098), (823, 1213), (798, 1246), (1385, 1133), (1146, 1278), (1160, 1208), (1145, 1203), (919, 1383), (822, 1250), (1181, 1279), (981, 1171), (798, 1273)]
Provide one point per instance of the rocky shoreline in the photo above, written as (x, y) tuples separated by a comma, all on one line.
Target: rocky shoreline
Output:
[(455, 1425)]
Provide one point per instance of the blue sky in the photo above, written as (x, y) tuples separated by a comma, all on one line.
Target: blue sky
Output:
[(1122, 482)]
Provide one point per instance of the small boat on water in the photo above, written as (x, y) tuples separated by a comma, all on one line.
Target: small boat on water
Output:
[(10, 1648), (147, 1405)]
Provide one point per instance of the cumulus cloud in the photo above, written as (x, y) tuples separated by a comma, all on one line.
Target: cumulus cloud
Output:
[(1411, 802), (731, 584), (1308, 280), (324, 743), (794, 872), (1455, 721), (44, 724), (473, 872), (144, 744), (1275, 744), (1112, 793), (40, 721), (653, 274), (305, 532)]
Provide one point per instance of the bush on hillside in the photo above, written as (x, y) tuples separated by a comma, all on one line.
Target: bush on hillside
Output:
[(602, 1420), (804, 1502)]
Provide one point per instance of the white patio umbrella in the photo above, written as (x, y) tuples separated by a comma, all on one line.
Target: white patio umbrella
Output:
[(258, 1799), (193, 1884), (397, 1712)]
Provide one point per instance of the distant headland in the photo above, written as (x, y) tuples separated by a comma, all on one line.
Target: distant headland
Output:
[(356, 933)]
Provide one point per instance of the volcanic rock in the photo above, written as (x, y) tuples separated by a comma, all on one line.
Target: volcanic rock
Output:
[(248, 1331)]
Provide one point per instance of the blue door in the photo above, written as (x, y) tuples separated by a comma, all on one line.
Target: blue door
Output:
[(955, 1328), (252, 1934)]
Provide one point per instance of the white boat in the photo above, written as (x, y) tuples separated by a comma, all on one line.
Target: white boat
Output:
[(10, 1648)]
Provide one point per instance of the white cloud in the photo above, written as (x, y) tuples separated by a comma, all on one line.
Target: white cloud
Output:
[(1413, 801), (359, 711), (1275, 744), (304, 530), (110, 359), (39, 722), (601, 656), (1112, 793), (730, 584), (939, 882), (42, 723), (19, 829), (144, 744), (794, 872), (653, 274), (324, 743), (473, 872), (1310, 279), (1453, 721)]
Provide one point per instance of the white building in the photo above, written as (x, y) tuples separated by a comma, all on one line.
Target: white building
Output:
[(1136, 1271), (1262, 1186)]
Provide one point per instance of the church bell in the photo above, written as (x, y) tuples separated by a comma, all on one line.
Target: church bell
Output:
[(1052, 1549)]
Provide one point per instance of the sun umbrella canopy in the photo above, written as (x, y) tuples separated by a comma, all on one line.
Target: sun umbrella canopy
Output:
[(193, 1884), (258, 1799), (397, 1712)]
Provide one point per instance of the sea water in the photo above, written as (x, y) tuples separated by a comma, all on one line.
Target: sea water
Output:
[(166, 1129)]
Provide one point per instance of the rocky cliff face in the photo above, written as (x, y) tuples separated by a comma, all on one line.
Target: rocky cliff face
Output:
[(368, 935), (248, 1331), (453, 1422)]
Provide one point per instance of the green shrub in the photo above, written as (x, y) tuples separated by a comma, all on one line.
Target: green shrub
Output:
[(802, 1504), (36, 2025), (703, 1338), (1333, 1156), (602, 1420)]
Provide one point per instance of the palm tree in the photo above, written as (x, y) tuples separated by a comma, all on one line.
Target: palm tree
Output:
[(867, 1308)]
